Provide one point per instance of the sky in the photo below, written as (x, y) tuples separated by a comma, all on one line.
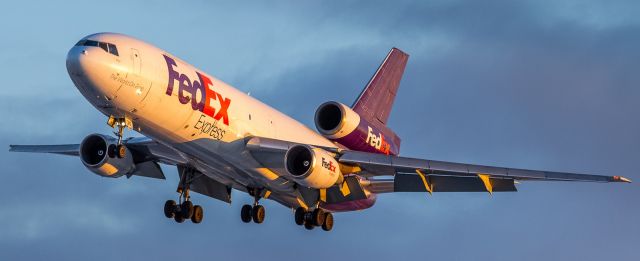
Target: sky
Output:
[(549, 85)]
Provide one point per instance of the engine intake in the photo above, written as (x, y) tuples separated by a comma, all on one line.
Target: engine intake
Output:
[(97, 153), (339, 123), (336, 120), (312, 167)]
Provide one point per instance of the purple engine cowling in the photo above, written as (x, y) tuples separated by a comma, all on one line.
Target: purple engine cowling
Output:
[(341, 124)]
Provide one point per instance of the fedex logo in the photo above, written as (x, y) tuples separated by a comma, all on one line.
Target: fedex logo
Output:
[(328, 165), (377, 141), (198, 92)]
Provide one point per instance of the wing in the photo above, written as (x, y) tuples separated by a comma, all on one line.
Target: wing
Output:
[(64, 149), (385, 173), (146, 150), (411, 174), (147, 153)]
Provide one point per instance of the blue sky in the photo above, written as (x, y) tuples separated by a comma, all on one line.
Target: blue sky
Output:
[(532, 84)]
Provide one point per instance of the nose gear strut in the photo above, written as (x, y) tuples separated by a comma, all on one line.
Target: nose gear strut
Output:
[(120, 124)]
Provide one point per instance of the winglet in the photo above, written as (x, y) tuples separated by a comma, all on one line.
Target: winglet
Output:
[(621, 179)]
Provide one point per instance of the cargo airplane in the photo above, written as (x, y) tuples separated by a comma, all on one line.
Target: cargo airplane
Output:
[(221, 139)]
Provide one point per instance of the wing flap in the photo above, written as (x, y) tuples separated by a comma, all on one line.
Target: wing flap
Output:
[(413, 183)]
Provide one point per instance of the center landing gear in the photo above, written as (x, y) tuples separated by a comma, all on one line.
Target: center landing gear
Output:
[(184, 209), (255, 212), (315, 218), (120, 124)]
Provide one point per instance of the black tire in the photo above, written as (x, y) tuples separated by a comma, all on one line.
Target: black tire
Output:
[(198, 214), (299, 216), (186, 209), (178, 217), (245, 213), (121, 151), (169, 208), (317, 216), (308, 226), (111, 151), (328, 222), (258, 213)]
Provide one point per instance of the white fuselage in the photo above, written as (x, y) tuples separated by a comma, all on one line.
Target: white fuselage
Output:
[(166, 102)]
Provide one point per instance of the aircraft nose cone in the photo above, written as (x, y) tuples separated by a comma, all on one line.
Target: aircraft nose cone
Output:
[(90, 71)]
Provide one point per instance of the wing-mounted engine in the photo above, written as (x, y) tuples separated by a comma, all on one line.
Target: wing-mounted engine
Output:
[(97, 153), (312, 167), (343, 125)]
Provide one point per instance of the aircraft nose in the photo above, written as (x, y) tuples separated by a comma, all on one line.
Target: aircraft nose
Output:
[(91, 69)]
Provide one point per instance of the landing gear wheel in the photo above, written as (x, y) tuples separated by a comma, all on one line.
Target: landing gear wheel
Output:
[(169, 208), (111, 151), (308, 226), (178, 217), (299, 216), (121, 151), (198, 214), (186, 209), (317, 216), (258, 214), (245, 213), (328, 222)]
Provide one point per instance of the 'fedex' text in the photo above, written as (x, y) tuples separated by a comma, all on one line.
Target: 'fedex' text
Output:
[(201, 100), (377, 141), (328, 165)]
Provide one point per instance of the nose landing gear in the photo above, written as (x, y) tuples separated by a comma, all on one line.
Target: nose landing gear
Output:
[(120, 124)]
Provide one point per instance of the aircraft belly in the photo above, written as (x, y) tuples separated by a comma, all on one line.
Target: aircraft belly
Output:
[(227, 162)]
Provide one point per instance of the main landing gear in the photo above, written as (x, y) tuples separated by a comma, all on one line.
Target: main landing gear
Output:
[(120, 124), (184, 209), (315, 218), (255, 212)]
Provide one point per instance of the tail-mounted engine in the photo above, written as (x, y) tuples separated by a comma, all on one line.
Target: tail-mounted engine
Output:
[(341, 124), (99, 154), (312, 167)]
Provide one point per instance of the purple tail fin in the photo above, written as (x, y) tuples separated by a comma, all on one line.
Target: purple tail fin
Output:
[(376, 100)]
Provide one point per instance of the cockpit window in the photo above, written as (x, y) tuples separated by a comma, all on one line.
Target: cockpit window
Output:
[(91, 43), (107, 47), (103, 46), (113, 50)]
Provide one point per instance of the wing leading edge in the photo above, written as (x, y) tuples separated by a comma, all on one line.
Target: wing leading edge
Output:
[(63, 149)]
